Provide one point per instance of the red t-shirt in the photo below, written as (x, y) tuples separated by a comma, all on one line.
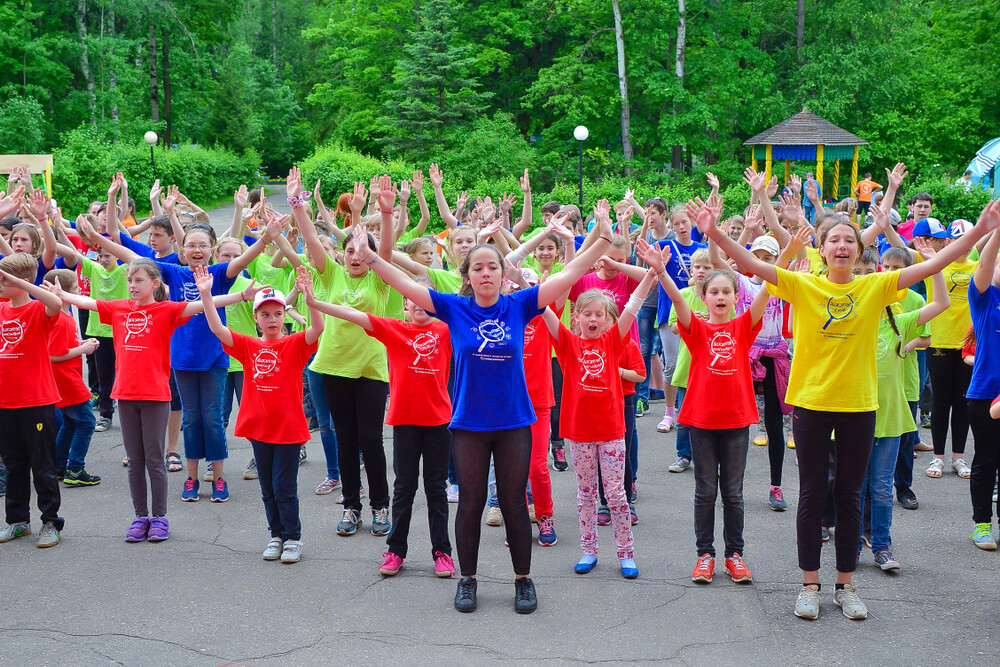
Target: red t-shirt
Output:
[(593, 408), (26, 377), (538, 363), (142, 346), (619, 288), (271, 408), (419, 363), (720, 388), (68, 374), (631, 360)]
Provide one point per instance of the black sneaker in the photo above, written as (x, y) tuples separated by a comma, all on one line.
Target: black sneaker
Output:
[(885, 560), (60, 475), (525, 601), (465, 596), (559, 459), (908, 500), (80, 478), (925, 420)]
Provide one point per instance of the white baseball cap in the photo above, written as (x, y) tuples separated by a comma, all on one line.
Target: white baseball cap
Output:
[(959, 228), (766, 243), (269, 294)]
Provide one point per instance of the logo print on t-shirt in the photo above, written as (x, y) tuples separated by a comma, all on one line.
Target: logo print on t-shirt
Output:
[(353, 297), (136, 324), (723, 347), (960, 279), (264, 363), (190, 292), (424, 344), (881, 348), (593, 364), (492, 332), (839, 307), (12, 331), (107, 283), (529, 334)]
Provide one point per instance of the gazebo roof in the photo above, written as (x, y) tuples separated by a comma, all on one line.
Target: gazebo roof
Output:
[(805, 129)]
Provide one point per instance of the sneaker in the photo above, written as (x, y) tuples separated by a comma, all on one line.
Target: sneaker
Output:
[(629, 570), (680, 464), (704, 569), (350, 523), (603, 516), (80, 478), (361, 494), (586, 564), (159, 529), (452, 492), (94, 401), (48, 536), (546, 532), (760, 439), (525, 600), (444, 566), (380, 522), (327, 486), (208, 475), (738, 570), (14, 531), (313, 424), (190, 492), (850, 603), (291, 551), (925, 420), (273, 549), (531, 514), (465, 596), (777, 499), (635, 493), (632, 516), (641, 408), (807, 603), (390, 566), (494, 517), (302, 459), (824, 533), (982, 536), (60, 475), (559, 459), (251, 470), (220, 491), (103, 424), (138, 531), (666, 424), (885, 560), (908, 500)]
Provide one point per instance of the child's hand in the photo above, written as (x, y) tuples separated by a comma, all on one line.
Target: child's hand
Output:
[(489, 230), (924, 247), (417, 184), (651, 255), (772, 187), (755, 179), (173, 194), (795, 183), (404, 192), (437, 178), (989, 219), (802, 266), (37, 203), (602, 217), (713, 181), (293, 184), (358, 200), (90, 344), (11, 202), (304, 283), (488, 211), (386, 194), (240, 197), (896, 176), (525, 183), (319, 200), (274, 227), (203, 279)]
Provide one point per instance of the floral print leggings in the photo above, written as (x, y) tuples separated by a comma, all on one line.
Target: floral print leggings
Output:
[(610, 455)]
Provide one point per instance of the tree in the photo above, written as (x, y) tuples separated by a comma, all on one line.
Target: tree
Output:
[(22, 125), (622, 82)]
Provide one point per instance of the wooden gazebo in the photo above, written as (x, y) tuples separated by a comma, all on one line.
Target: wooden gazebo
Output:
[(806, 136)]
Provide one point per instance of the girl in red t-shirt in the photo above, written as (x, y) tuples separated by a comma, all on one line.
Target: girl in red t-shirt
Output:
[(593, 410), (720, 430)]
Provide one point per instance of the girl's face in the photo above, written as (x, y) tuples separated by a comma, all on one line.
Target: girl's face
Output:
[(463, 241), (593, 319), (764, 256), (840, 248), (141, 285), (355, 267), (609, 272), (546, 253), (270, 317), (893, 264), (719, 296), (485, 273), (681, 224), (197, 248), (735, 229), (5, 233), (107, 260), (20, 241), (416, 314), (699, 270), (424, 254), (227, 252)]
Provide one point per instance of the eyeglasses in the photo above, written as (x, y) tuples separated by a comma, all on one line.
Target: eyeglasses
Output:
[(197, 247)]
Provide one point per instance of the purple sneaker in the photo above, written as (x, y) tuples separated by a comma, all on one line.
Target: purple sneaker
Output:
[(159, 529), (138, 530)]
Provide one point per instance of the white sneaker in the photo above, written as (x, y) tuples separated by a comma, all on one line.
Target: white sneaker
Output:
[(666, 424), (292, 551), (273, 549), (807, 604), (850, 603), (494, 517), (208, 475), (48, 536), (14, 531)]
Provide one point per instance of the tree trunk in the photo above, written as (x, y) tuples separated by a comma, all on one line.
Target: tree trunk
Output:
[(800, 30), (622, 86), (274, 33), (677, 154), (88, 76), (154, 88), (167, 98), (112, 81)]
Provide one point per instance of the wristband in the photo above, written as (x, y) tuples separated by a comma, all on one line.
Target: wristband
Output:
[(604, 238), (297, 202)]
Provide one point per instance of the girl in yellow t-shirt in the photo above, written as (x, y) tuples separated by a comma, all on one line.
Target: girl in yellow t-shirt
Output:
[(833, 383)]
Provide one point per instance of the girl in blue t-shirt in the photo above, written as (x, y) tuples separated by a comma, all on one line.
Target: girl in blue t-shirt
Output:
[(492, 411)]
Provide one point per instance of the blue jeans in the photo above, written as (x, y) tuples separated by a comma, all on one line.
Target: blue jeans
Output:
[(234, 385), (201, 398), (76, 428), (3, 476), (326, 432), (278, 470), (646, 320), (683, 434), (904, 460), (881, 468), (810, 212)]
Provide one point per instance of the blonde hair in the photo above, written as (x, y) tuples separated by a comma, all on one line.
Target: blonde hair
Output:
[(701, 256), (65, 277), (32, 231), (593, 295), (21, 265), (416, 244), (456, 232), (619, 242), (229, 239)]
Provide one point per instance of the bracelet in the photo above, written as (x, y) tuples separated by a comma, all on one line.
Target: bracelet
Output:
[(243, 294), (605, 238), (297, 202), (371, 261)]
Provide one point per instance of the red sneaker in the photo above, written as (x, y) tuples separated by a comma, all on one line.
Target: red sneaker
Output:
[(737, 569), (704, 570), (391, 564)]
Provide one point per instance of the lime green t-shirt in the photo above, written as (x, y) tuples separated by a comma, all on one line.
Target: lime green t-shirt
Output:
[(409, 235), (104, 286), (345, 350), (893, 418), (449, 282), (239, 318), (911, 366), (680, 378)]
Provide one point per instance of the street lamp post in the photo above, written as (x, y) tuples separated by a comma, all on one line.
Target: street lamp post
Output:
[(151, 139), (580, 134)]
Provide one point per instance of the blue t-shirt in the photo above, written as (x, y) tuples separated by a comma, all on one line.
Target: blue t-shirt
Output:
[(679, 268), (985, 311), (488, 346), (193, 347), (144, 250)]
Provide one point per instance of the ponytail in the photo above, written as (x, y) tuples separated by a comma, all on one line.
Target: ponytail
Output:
[(899, 336)]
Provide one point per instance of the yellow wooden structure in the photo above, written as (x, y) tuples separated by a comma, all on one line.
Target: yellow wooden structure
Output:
[(36, 164)]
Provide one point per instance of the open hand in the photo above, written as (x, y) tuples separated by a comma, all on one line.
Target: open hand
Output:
[(293, 184)]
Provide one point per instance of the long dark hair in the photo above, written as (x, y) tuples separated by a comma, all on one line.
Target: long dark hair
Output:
[(151, 269), (463, 270), (895, 329)]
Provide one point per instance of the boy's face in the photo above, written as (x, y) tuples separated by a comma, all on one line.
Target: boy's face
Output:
[(735, 229), (107, 260), (5, 233), (546, 216), (681, 225), (655, 215), (893, 264), (159, 239), (699, 270), (922, 209), (864, 269), (765, 256)]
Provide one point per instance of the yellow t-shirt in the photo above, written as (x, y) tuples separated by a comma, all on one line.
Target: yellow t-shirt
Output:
[(835, 330), (816, 265), (948, 330)]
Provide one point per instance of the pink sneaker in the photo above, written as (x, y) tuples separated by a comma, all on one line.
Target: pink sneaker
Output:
[(444, 566), (391, 564)]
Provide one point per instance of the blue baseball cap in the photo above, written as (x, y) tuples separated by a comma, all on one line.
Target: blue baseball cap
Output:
[(930, 227)]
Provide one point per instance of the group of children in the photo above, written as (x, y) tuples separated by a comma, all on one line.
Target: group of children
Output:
[(532, 339)]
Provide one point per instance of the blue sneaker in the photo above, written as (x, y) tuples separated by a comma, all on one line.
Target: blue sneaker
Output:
[(190, 492), (546, 532), (629, 570), (983, 537), (350, 523), (586, 564), (220, 491), (380, 522)]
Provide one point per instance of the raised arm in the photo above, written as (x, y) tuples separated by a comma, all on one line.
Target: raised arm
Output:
[(285, 248), (317, 254), (635, 302), (552, 323), (425, 213), (203, 279), (271, 232), (78, 300), (658, 260), (758, 185), (304, 284), (239, 201), (393, 276), (386, 200), (52, 303), (324, 213), (524, 223), (550, 290), (704, 218), (38, 202), (988, 221), (437, 180), (119, 251), (758, 305), (987, 263), (939, 303)]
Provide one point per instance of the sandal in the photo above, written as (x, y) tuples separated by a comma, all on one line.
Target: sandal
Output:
[(961, 469), (935, 468), (174, 463)]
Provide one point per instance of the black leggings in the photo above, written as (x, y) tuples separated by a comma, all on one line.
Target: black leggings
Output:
[(773, 421), (357, 406), (854, 434), (986, 461), (950, 378), (511, 451)]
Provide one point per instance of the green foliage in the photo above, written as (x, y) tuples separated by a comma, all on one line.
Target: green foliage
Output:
[(23, 125), (493, 148), (951, 201)]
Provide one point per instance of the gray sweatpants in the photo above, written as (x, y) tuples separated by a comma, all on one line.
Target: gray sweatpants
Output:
[(144, 429)]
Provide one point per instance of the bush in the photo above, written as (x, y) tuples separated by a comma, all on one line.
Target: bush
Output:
[(23, 125), (85, 163), (951, 202)]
